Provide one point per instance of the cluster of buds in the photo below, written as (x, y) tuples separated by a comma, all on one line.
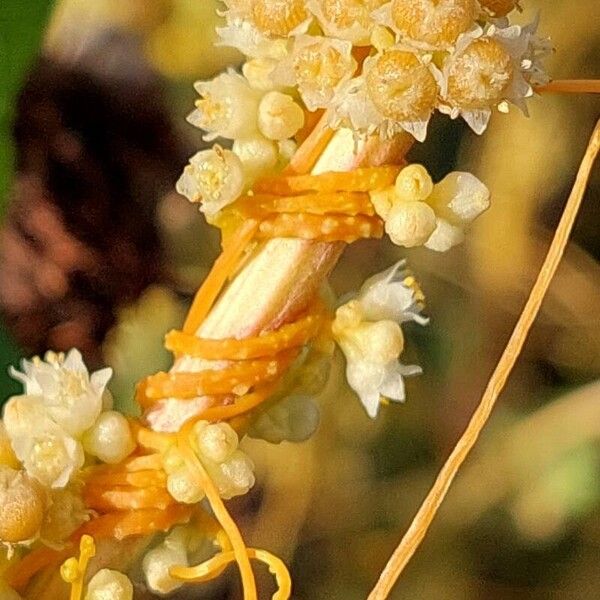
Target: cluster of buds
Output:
[(461, 57), (367, 329), (216, 445), (46, 433), (416, 212)]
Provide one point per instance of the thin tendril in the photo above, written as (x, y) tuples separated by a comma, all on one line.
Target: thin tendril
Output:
[(221, 513), (426, 513), (571, 86)]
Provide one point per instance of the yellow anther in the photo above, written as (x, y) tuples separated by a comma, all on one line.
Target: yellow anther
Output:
[(73, 570), (69, 570), (87, 550)]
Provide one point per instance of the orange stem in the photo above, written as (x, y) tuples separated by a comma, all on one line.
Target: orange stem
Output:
[(426, 513), (221, 270), (571, 86)]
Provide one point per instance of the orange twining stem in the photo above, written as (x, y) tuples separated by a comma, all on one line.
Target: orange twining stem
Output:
[(224, 266), (110, 478), (126, 523), (187, 385), (332, 228), (155, 441), (223, 517), (242, 405), (571, 86), (312, 147), (288, 336), (259, 206), (142, 463), (363, 179), (126, 498)]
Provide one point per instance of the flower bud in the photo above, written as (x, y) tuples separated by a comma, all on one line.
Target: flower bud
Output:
[(410, 224), (110, 438), (158, 561), (22, 505), (107, 584), (215, 441), (413, 183), (234, 476), (258, 72), (184, 487), (279, 117), (258, 155)]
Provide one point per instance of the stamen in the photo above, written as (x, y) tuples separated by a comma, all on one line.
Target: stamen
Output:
[(73, 570)]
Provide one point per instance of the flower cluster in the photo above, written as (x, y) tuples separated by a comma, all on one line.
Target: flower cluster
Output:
[(45, 435), (216, 445), (416, 212), (461, 57), (367, 329), (260, 119)]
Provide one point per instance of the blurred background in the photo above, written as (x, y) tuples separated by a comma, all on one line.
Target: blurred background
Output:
[(97, 251)]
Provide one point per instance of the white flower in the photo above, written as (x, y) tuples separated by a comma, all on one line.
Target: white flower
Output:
[(445, 236), (317, 66), (396, 91), (367, 329), (489, 68), (392, 294), (213, 177), (71, 397), (245, 37), (374, 382), (459, 198), (426, 25), (52, 458), (345, 19), (47, 453), (227, 107)]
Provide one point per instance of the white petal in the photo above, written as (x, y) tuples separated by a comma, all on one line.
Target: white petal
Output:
[(477, 119), (74, 361), (100, 378)]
